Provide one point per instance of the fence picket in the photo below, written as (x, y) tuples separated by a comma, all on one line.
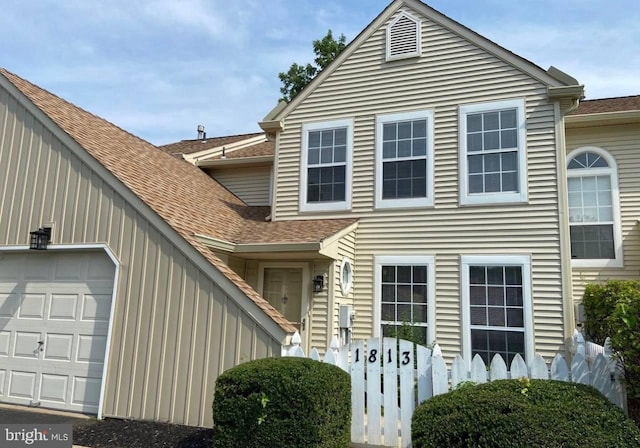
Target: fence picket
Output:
[(539, 368), (424, 373), (357, 391), (579, 369), (498, 369), (478, 370), (374, 405), (459, 371), (439, 375), (518, 368), (559, 368), (406, 369), (407, 391), (390, 397)]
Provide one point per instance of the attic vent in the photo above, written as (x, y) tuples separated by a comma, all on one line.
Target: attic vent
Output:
[(403, 38)]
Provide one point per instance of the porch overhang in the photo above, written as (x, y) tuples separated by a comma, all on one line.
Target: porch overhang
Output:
[(603, 118)]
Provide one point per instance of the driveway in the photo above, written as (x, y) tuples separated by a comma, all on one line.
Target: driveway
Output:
[(24, 415)]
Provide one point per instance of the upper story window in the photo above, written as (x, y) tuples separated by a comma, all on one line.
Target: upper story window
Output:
[(404, 160), (493, 159), (326, 166), (403, 37), (496, 307), (594, 218)]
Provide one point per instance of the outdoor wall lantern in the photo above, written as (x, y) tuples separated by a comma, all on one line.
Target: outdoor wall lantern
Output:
[(318, 283), (40, 238)]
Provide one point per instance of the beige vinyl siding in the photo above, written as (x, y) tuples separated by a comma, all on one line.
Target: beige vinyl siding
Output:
[(174, 329), (319, 307), (623, 143), (451, 72), (251, 184), (346, 249)]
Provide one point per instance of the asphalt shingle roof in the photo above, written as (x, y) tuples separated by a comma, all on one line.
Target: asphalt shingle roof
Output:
[(184, 196), (191, 146), (602, 105)]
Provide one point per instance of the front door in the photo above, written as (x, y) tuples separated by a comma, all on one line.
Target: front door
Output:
[(283, 287)]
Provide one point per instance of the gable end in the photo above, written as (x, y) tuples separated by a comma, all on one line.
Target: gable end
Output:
[(403, 37)]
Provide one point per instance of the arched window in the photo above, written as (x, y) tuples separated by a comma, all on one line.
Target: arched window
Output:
[(594, 217)]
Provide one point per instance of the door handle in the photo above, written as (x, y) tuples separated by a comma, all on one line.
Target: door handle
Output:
[(304, 324), (41, 345)]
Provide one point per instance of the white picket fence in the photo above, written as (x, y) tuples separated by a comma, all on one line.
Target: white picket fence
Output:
[(381, 369)]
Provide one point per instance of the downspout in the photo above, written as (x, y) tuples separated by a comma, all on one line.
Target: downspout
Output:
[(563, 222)]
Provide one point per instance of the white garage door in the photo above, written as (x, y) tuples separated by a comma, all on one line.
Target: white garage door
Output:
[(54, 318)]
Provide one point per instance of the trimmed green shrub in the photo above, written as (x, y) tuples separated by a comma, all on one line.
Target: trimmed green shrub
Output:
[(612, 309), (288, 402), (522, 413)]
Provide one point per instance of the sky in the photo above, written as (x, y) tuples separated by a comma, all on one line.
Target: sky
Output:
[(159, 68)]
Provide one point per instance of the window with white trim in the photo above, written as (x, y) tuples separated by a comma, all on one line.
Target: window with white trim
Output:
[(593, 208), (404, 291), (496, 307), (326, 166), (346, 276), (493, 159), (404, 159)]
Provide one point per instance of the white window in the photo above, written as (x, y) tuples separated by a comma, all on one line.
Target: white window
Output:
[(493, 159), (346, 276), (404, 160), (403, 37), (594, 216), (404, 297), (496, 307), (326, 166)]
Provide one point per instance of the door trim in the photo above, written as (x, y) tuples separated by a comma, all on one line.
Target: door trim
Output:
[(116, 275), (305, 306)]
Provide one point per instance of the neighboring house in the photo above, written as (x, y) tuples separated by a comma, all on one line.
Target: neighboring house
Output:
[(421, 178), (603, 156)]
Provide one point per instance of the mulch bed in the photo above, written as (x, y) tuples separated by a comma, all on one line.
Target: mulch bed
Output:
[(116, 433)]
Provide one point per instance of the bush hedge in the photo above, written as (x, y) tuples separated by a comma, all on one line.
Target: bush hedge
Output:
[(612, 309), (522, 413), (288, 402)]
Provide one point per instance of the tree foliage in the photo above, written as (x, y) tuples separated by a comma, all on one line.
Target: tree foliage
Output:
[(298, 76), (612, 309)]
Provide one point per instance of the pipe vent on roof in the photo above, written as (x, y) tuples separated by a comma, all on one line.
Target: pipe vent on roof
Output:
[(201, 134), (403, 37)]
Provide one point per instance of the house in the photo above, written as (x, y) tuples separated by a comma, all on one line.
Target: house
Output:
[(420, 179)]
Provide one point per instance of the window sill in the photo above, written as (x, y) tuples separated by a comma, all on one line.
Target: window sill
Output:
[(584, 264)]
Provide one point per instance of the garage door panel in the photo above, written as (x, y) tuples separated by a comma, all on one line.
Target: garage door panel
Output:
[(63, 306), (91, 348), (96, 307), (26, 345), (63, 300), (8, 304), (54, 388), (58, 347), (69, 268), (37, 269), (32, 306), (22, 384), (86, 391)]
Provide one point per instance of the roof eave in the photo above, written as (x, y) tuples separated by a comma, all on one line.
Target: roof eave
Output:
[(573, 92), (605, 118), (227, 162)]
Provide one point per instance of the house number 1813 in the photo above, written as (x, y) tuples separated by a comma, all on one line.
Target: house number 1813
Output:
[(373, 356)]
